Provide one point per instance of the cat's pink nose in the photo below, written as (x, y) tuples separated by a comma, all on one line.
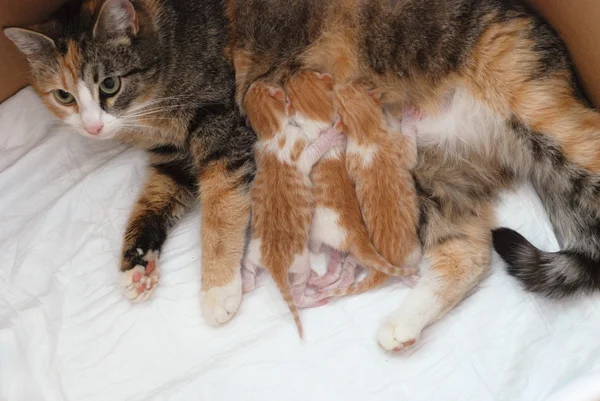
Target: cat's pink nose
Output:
[(93, 129)]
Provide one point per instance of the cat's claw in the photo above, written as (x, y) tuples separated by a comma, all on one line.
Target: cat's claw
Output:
[(219, 304), (140, 282)]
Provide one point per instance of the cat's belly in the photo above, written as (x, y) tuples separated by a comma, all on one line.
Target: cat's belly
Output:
[(464, 125)]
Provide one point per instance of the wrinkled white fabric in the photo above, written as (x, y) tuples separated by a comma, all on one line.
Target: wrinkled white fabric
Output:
[(67, 332)]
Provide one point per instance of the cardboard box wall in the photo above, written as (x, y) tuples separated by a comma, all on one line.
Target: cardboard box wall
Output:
[(577, 22)]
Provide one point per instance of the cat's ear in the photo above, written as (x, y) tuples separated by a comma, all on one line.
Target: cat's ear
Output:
[(376, 94), (32, 44), (338, 126), (117, 18)]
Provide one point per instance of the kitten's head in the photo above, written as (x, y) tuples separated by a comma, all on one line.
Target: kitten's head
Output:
[(359, 110), (266, 108), (93, 64), (310, 96)]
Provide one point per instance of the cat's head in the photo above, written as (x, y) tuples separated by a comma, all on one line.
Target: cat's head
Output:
[(93, 63)]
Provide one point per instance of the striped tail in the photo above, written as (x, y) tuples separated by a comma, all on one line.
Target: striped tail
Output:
[(282, 282), (373, 279), (366, 254), (554, 274)]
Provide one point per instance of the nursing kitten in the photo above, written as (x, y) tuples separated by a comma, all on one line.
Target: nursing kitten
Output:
[(337, 221), (398, 152), (154, 74), (378, 161), (516, 113), (282, 198)]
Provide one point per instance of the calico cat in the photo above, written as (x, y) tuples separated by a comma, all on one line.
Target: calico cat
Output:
[(501, 104), (282, 193), (154, 74)]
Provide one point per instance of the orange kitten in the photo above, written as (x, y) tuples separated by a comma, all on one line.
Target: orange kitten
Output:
[(282, 196), (337, 221), (378, 160)]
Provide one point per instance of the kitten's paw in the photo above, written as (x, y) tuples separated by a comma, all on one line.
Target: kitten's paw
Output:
[(394, 336), (219, 304), (140, 281), (411, 280), (411, 114)]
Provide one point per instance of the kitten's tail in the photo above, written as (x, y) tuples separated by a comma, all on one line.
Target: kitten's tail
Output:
[(282, 282), (554, 274), (373, 279), (367, 256)]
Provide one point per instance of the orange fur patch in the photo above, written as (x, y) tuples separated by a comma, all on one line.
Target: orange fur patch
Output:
[(384, 185), (264, 111), (225, 218)]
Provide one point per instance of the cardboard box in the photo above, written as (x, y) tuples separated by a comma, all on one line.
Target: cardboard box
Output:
[(576, 22), (14, 73)]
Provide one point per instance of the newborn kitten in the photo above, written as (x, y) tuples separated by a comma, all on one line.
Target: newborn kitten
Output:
[(378, 160), (282, 199), (337, 221), (347, 271)]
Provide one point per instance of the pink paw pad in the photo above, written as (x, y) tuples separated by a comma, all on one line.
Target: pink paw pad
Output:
[(140, 281), (405, 345)]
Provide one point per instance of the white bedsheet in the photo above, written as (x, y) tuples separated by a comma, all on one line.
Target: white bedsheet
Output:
[(67, 332)]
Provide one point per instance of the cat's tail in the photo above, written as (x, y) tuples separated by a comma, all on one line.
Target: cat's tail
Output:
[(282, 282), (367, 255), (554, 274)]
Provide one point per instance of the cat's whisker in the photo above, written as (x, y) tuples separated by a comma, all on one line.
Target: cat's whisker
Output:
[(156, 101)]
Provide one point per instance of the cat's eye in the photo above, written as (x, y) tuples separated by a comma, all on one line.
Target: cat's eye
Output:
[(63, 97), (110, 85)]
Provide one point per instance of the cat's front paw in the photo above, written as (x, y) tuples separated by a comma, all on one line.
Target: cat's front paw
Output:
[(140, 274), (219, 304)]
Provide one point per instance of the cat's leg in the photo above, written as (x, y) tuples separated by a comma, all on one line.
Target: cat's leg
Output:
[(163, 200), (535, 87), (453, 265), (225, 202), (313, 152)]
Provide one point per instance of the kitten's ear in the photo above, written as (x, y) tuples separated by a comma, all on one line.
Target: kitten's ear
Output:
[(338, 126), (376, 94), (117, 18), (277, 94), (32, 44)]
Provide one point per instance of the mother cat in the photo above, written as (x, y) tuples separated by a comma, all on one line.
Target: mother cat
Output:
[(494, 81)]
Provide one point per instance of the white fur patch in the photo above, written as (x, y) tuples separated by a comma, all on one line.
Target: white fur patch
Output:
[(325, 228), (219, 304), (311, 128), (466, 123), (90, 113), (292, 134), (366, 153), (89, 109)]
